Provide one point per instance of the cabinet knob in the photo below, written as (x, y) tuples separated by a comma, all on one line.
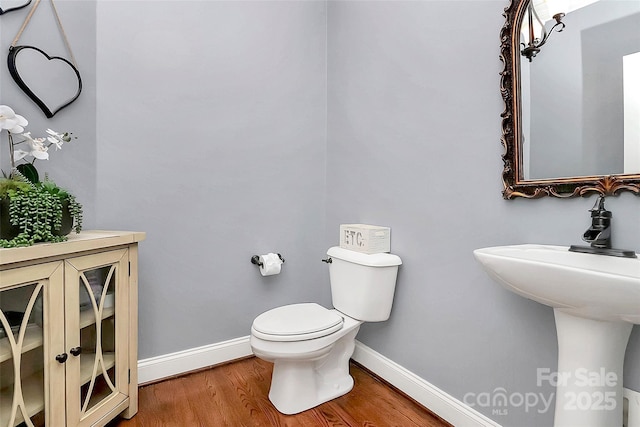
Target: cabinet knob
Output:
[(61, 358), (76, 351)]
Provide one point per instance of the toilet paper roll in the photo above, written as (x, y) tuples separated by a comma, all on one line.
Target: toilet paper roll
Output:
[(271, 264)]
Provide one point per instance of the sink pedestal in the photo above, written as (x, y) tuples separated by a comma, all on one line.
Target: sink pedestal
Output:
[(589, 378), (584, 289)]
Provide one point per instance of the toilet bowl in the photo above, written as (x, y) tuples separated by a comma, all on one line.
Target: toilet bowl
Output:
[(310, 345), (308, 371)]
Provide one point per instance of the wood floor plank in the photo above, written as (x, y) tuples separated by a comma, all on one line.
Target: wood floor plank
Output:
[(236, 395), (386, 409)]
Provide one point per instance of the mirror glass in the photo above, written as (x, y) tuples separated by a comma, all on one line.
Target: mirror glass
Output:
[(572, 117)]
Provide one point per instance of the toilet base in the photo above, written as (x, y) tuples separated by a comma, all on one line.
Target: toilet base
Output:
[(298, 385)]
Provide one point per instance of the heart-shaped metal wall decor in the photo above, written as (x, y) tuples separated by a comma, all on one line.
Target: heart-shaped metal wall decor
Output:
[(11, 9), (60, 63)]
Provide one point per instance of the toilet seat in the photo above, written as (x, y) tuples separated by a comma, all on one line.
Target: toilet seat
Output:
[(296, 322)]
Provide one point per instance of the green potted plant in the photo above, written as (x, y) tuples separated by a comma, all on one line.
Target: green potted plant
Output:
[(32, 211), (7, 187)]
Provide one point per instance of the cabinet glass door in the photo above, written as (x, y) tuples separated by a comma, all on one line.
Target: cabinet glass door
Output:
[(96, 319), (25, 344), (97, 335)]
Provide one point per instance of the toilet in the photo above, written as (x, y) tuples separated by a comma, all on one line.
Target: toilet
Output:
[(310, 345)]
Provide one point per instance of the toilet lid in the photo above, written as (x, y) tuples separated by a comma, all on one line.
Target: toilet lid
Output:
[(296, 322)]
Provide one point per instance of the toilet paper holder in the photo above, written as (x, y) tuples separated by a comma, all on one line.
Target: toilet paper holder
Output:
[(256, 260)]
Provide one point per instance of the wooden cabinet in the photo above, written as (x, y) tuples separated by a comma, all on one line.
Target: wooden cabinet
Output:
[(68, 331)]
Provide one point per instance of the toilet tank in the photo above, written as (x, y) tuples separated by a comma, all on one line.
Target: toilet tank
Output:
[(363, 285)]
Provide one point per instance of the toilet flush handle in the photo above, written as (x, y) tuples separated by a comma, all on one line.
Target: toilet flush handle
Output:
[(328, 260)]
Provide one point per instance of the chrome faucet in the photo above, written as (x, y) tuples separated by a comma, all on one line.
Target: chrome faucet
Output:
[(599, 234)]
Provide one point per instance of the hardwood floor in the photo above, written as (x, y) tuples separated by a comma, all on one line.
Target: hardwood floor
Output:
[(235, 395)]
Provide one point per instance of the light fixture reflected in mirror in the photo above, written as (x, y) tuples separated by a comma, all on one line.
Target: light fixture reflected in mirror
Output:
[(531, 48)]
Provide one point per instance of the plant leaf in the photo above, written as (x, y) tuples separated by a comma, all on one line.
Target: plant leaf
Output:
[(29, 171)]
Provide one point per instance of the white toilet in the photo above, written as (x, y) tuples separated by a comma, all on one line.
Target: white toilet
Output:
[(309, 345)]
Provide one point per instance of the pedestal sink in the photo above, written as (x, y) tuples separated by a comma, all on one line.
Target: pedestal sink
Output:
[(596, 301)]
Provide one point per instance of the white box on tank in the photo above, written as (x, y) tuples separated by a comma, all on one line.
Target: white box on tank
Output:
[(368, 239)]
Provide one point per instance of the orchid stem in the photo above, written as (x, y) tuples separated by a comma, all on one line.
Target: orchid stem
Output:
[(13, 163)]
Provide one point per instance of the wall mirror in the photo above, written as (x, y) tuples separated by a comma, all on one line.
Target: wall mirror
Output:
[(571, 87)]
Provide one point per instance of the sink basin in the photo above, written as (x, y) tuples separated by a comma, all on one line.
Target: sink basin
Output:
[(587, 285), (596, 301)]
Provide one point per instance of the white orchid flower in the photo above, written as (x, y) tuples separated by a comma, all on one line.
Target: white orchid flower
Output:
[(11, 121), (28, 146), (57, 139), (36, 148), (55, 142)]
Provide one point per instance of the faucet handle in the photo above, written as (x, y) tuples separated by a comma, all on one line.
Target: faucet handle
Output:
[(598, 206)]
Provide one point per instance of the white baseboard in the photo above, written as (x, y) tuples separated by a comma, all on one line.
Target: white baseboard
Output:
[(437, 401), (168, 365)]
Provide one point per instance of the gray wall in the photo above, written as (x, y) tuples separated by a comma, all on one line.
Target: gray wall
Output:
[(557, 132), (75, 166), (413, 143), (604, 121), (212, 121), (208, 134), (213, 136), (573, 135)]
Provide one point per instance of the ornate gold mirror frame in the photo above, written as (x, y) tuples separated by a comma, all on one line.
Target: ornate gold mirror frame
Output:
[(513, 174)]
